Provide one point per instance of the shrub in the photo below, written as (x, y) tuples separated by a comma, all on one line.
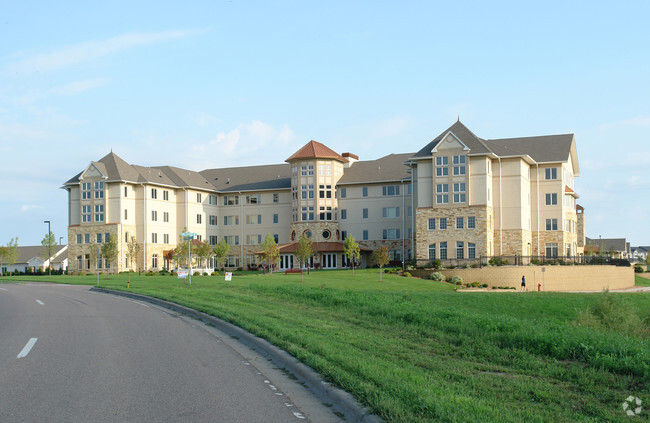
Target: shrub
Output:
[(196, 274), (456, 280), (497, 261), (437, 276), (638, 269), (206, 274), (485, 285), (435, 264), (407, 274), (476, 284), (215, 273)]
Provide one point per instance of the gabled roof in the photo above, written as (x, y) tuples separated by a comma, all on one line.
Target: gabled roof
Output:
[(463, 134), (29, 252), (387, 168), (315, 150), (249, 178)]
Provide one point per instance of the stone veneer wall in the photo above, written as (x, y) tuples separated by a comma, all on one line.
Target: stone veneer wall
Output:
[(482, 235), (515, 241), (75, 249), (554, 278), (392, 244)]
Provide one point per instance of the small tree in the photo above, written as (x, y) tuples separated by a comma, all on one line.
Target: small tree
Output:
[(382, 257), (109, 251), (220, 251), (351, 249), (9, 254), (303, 252), (203, 251), (49, 247), (271, 251), (133, 249), (95, 254)]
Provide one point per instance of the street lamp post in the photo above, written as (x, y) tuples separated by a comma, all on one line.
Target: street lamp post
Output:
[(49, 247)]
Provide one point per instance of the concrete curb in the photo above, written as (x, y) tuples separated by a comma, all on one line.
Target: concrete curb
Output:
[(342, 401)]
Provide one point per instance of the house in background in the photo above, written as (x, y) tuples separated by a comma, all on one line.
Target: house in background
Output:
[(30, 259), (639, 254), (615, 247)]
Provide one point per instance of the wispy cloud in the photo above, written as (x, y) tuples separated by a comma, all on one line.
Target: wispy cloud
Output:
[(77, 87), (28, 207), (637, 121), (89, 50)]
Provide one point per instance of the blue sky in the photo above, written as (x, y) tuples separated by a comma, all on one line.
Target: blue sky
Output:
[(207, 84)]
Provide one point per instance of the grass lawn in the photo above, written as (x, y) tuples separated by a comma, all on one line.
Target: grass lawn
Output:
[(414, 351), (640, 281)]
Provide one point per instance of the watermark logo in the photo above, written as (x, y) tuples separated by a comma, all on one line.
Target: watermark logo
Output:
[(632, 406)]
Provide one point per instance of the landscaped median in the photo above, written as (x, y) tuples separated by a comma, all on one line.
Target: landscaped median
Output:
[(414, 350)]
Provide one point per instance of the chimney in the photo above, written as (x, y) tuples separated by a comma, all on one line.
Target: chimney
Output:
[(351, 159)]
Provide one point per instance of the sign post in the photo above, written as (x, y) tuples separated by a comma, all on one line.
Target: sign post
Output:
[(543, 279), (189, 236)]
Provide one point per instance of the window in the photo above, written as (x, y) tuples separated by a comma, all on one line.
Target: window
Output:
[(550, 173), (441, 166), (253, 239), (154, 193), (232, 239), (165, 216), (471, 250), (432, 223), (212, 200), (198, 197), (390, 234), (365, 235), (395, 255), (307, 213), (86, 238), (344, 193), (230, 220), (78, 238), (212, 220), (276, 238), (213, 240), (126, 214), (324, 191), (99, 212), (471, 222), (254, 199), (99, 190), (344, 234), (254, 219), (85, 190), (344, 214), (166, 195), (364, 191), (325, 213), (99, 238), (459, 165), (551, 199), (276, 198), (551, 224), (85, 213), (443, 250), (364, 213), (311, 170), (154, 261), (388, 190), (460, 222), (154, 238), (126, 237), (154, 216), (551, 250), (443, 223), (432, 251), (390, 212), (460, 250), (442, 197), (232, 261), (166, 238), (409, 211), (231, 200), (126, 191), (198, 219), (459, 192), (107, 237), (567, 225)]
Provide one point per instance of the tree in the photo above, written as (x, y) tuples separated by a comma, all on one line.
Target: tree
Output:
[(303, 252), (109, 250), (382, 257), (271, 251), (49, 246), (133, 249), (202, 250), (351, 249), (9, 254), (95, 254), (221, 250)]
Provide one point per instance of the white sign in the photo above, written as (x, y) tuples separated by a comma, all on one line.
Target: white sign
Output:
[(228, 276), (182, 274)]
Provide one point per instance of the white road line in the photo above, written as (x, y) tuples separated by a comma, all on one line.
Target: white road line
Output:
[(138, 302), (3, 289), (40, 302), (27, 348)]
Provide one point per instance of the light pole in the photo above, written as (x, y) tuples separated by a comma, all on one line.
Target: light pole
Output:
[(49, 247)]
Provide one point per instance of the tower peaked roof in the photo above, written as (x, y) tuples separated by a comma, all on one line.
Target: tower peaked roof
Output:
[(315, 150)]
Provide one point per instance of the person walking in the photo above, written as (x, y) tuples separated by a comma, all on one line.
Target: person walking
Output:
[(523, 284)]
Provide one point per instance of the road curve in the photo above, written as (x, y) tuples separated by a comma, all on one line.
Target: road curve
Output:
[(101, 358)]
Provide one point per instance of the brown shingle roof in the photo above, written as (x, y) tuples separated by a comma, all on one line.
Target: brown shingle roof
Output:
[(315, 150), (387, 168)]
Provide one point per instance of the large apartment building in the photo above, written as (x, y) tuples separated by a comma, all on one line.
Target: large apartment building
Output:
[(459, 197)]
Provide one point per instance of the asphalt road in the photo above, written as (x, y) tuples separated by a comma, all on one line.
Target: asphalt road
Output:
[(68, 354)]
